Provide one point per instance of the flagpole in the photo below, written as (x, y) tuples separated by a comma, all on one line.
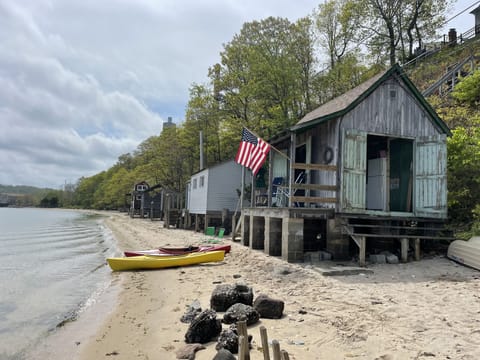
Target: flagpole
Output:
[(241, 189), (273, 147)]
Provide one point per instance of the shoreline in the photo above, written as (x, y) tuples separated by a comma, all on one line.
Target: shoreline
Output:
[(414, 310)]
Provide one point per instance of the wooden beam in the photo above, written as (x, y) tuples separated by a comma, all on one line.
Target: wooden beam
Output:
[(399, 236), (313, 199), (323, 167), (315, 187)]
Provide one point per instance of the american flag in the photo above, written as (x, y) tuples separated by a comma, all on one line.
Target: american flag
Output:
[(252, 151)]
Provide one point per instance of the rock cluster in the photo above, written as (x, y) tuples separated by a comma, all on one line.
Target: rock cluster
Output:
[(237, 303)]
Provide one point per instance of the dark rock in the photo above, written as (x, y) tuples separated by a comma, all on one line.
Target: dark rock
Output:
[(225, 295), (228, 340), (224, 354), (203, 328), (241, 312), (193, 310), (188, 352), (268, 308)]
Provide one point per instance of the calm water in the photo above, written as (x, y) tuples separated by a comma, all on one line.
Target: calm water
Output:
[(52, 266)]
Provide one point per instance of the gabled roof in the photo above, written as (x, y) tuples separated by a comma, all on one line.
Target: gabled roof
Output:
[(346, 102)]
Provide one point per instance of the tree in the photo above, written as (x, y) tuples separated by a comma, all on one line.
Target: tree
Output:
[(394, 22), (338, 27), (261, 79), (203, 115)]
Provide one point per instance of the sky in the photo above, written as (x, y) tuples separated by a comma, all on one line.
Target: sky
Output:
[(83, 82)]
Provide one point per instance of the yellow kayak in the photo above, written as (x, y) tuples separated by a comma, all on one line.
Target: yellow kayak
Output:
[(160, 262)]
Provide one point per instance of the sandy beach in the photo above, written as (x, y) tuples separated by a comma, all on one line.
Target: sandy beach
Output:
[(419, 310)]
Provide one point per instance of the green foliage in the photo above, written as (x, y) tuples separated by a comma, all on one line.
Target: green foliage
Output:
[(51, 200), (21, 195), (468, 90), (463, 173)]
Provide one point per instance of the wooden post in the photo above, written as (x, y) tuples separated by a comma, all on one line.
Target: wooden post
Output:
[(264, 337), (234, 224), (276, 350), (284, 355), (362, 251), (196, 222), (417, 249), (242, 331), (404, 249), (241, 348), (270, 179)]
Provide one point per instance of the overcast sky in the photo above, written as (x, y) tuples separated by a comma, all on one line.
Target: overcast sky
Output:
[(82, 82)]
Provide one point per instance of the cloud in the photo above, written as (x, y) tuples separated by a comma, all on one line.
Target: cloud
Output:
[(82, 82)]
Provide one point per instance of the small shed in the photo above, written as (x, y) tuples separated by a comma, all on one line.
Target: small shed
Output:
[(366, 173), (213, 194), (137, 198)]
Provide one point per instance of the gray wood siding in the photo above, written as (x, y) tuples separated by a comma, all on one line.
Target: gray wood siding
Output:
[(398, 116), (223, 182)]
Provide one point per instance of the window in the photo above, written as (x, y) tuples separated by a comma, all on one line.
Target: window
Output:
[(194, 183), (202, 181), (141, 187)]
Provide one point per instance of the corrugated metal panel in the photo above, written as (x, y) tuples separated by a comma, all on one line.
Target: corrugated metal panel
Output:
[(354, 153), (431, 176)]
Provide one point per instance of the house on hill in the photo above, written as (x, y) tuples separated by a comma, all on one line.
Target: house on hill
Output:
[(363, 173)]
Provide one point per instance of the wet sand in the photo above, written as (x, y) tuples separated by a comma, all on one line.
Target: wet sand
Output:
[(419, 310)]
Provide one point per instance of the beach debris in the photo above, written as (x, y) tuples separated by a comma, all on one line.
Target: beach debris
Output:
[(188, 351), (114, 352), (268, 308), (224, 354), (392, 259), (192, 311), (226, 295), (239, 312), (203, 328), (281, 270), (377, 258)]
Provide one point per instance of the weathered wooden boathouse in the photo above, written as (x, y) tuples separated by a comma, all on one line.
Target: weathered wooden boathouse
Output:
[(213, 196), (363, 173), (155, 202)]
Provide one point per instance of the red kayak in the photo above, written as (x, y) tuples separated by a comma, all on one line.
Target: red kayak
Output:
[(171, 251)]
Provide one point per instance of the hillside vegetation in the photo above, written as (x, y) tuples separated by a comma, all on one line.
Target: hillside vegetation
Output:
[(458, 107)]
